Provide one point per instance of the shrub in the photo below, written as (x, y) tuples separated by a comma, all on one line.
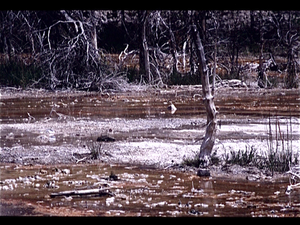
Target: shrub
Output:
[(195, 161), (242, 158), (279, 161), (16, 73), (95, 150)]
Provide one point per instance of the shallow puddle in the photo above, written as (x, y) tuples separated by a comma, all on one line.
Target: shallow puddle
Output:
[(143, 192)]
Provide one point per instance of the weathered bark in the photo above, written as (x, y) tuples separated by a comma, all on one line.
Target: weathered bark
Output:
[(210, 134)]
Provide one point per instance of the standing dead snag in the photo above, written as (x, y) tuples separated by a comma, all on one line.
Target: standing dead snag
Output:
[(211, 127)]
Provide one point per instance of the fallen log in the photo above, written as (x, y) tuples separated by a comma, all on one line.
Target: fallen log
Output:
[(93, 192)]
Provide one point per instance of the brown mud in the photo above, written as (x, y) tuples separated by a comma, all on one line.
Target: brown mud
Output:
[(43, 133)]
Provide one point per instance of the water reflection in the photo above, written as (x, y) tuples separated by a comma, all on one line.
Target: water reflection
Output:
[(134, 105)]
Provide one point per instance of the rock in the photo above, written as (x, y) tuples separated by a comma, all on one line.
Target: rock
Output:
[(172, 108), (203, 173), (42, 171), (10, 136), (109, 201), (50, 184), (112, 176), (194, 212), (45, 139), (253, 177), (105, 138), (65, 171), (236, 83)]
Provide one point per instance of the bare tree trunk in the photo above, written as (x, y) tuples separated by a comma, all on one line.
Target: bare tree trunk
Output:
[(145, 49), (214, 70), (261, 69), (94, 38), (293, 45), (94, 23), (173, 45), (210, 134)]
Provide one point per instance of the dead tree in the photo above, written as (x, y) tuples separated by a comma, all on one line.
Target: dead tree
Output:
[(73, 59), (292, 46), (286, 24), (144, 62), (145, 48), (208, 99)]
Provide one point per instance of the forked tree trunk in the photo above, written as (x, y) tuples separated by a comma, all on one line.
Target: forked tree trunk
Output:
[(210, 134)]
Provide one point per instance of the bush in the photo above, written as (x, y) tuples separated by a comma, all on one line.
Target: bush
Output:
[(95, 150), (15, 73), (194, 162), (177, 78), (279, 161), (133, 75)]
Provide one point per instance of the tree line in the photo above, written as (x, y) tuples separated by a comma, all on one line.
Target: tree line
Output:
[(103, 49)]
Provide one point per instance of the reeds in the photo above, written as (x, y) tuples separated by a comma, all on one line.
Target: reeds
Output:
[(279, 156)]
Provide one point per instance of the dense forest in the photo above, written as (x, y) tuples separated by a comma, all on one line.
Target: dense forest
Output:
[(105, 49)]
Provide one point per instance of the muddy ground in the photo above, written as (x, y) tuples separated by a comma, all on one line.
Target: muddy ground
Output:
[(46, 129)]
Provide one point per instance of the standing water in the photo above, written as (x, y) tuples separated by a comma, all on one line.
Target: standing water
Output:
[(134, 191), (46, 142)]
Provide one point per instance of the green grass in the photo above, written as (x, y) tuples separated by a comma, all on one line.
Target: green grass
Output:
[(241, 157)]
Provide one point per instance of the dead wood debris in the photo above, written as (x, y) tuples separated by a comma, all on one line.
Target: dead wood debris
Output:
[(294, 180), (93, 192)]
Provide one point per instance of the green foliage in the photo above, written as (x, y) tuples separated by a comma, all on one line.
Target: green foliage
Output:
[(215, 160), (17, 74), (242, 158), (279, 161), (194, 162), (274, 161), (133, 75), (184, 79), (274, 81)]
